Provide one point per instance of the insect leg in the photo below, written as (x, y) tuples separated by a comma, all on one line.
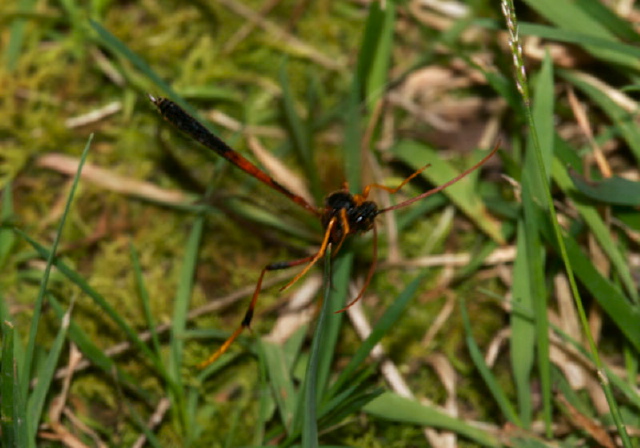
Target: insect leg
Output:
[(313, 260), (246, 321), (372, 269), (367, 188)]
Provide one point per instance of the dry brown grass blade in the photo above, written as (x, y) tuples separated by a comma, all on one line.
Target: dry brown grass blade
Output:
[(106, 179), (156, 418), (586, 424)]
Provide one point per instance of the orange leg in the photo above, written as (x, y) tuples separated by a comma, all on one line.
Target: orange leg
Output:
[(246, 321), (367, 189), (314, 259)]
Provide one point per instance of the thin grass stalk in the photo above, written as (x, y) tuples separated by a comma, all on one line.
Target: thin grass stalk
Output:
[(521, 82)]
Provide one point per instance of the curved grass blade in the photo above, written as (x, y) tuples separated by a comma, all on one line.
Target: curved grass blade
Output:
[(599, 229), (50, 257), (392, 407), (613, 191), (489, 379), (463, 194), (96, 355), (572, 17), (45, 374)]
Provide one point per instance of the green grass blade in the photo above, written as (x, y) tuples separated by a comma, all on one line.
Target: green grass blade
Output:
[(96, 355), (115, 45), (339, 287), (281, 382), (599, 229), (464, 194), (13, 417), (612, 191), (543, 115), (547, 202), (624, 315), (535, 183), (182, 300), (7, 237), (577, 38), (392, 407), (311, 389), (522, 341), (301, 134), (13, 50), (489, 379), (37, 310), (571, 16), (371, 41), (38, 396), (378, 58), (352, 135), (144, 297), (72, 275)]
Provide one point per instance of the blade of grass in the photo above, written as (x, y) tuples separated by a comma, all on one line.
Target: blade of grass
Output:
[(613, 191), (599, 229), (144, 297), (489, 379), (309, 422), (36, 400), (37, 309), (104, 304), (180, 316), (339, 287), (352, 135), (464, 194), (280, 380), (521, 82), (571, 16), (578, 38), (523, 329), (624, 315), (392, 407), (7, 237), (376, 56), (13, 417), (300, 131), (13, 50), (96, 355), (533, 192)]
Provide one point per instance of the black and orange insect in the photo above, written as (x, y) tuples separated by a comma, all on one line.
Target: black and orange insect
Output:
[(343, 213)]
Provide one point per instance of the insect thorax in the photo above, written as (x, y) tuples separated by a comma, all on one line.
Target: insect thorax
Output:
[(360, 216)]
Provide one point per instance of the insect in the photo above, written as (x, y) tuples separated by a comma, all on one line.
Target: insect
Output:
[(343, 213)]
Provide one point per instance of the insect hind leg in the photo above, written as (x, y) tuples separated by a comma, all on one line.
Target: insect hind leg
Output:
[(248, 316)]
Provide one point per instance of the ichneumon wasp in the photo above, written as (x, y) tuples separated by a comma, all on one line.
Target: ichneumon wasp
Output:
[(343, 213)]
